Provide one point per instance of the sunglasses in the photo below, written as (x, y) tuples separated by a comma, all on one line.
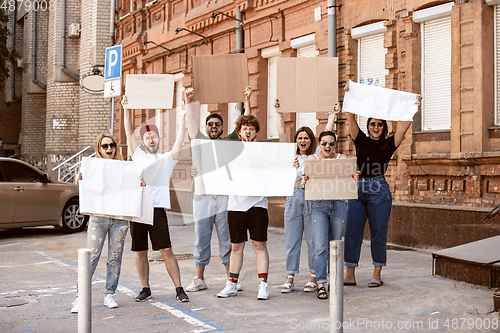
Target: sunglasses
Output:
[(331, 143), (373, 124), (217, 123), (106, 146)]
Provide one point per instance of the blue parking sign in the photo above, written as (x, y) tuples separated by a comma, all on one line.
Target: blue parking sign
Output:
[(113, 63)]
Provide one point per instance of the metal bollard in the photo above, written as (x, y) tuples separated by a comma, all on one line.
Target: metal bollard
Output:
[(336, 286), (84, 291)]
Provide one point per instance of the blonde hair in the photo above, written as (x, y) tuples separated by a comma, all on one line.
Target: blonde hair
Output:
[(118, 155)]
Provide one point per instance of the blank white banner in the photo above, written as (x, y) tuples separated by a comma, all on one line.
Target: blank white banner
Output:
[(110, 187), (380, 103), (245, 168)]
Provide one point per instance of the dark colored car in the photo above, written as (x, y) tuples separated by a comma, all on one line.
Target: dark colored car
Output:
[(30, 198)]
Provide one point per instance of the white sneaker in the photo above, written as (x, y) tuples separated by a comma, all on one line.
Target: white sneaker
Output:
[(110, 302), (74, 305), (239, 287), (229, 290), (262, 291), (197, 284)]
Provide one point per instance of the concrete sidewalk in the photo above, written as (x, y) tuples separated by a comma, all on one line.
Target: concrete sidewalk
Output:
[(410, 300)]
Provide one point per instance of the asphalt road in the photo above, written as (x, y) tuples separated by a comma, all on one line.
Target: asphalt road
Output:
[(38, 270)]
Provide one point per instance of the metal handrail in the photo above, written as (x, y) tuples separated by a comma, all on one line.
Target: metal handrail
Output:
[(69, 174), (77, 164), (69, 159)]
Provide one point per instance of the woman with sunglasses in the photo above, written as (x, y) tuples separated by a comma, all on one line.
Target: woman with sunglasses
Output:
[(297, 209), (100, 226), (327, 215), (373, 152)]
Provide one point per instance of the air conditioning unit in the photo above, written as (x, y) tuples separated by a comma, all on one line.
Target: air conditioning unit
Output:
[(74, 30), (19, 63)]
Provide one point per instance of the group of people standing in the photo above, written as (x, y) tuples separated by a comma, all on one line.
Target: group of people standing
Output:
[(322, 221), (234, 217)]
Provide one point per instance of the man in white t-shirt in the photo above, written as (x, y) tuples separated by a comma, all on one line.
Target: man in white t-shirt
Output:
[(247, 215), (160, 190)]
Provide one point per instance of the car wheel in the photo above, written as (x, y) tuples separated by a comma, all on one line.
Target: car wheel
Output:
[(72, 220)]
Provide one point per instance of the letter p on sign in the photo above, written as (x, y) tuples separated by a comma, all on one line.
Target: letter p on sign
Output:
[(113, 63)]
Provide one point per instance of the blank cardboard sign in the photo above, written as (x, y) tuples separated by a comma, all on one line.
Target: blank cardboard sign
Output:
[(331, 179), (220, 78), (307, 84), (149, 91)]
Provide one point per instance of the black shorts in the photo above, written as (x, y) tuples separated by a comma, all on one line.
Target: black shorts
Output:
[(158, 233), (255, 220)]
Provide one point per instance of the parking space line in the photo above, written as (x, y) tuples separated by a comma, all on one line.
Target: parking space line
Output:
[(182, 312)]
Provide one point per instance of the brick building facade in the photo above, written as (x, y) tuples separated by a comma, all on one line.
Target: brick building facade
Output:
[(57, 117), (444, 177)]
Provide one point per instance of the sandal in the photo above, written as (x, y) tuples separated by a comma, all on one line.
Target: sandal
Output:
[(322, 294), (311, 286), (288, 287)]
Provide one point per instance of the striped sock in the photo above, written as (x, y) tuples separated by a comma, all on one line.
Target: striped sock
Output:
[(263, 276), (233, 277)]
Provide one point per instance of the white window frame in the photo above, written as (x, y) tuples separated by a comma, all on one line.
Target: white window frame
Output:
[(233, 113), (496, 4), (359, 33), (423, 16), (269, 53), (298, 43), (179, 91)]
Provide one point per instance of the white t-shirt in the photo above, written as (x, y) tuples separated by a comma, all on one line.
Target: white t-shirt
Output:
[(240, 203), (302, 160), (161, 193)]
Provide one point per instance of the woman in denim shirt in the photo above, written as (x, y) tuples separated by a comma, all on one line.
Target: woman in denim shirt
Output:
[(100, 226)]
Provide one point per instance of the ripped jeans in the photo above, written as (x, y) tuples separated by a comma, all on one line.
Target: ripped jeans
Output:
[(116, 230)]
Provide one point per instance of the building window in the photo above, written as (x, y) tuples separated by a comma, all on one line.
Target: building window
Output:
[(179, 91), (306, 47), (233, 113), (271, 54), (371, 58), (435, 27), (497, 65), (203, 116)]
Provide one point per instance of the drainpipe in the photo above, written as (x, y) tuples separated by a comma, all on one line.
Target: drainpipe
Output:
[(332, 29), (33, 54), (12, 69), (63, 43), (112, 31), (239, 45)]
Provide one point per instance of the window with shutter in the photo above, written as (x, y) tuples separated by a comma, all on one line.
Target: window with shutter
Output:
[(271, 54), (435, 28), (371, 65), (436, 74), (497, 65), (307, 118), (232, 115)]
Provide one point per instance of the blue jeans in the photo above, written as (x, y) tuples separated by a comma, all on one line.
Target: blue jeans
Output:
[(298, 221), (374, 202), (210, 210), (327, 225), (116, 230)]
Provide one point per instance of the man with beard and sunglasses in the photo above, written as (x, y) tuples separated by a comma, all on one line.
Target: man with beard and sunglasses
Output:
[(209, 210), (158, 232)]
